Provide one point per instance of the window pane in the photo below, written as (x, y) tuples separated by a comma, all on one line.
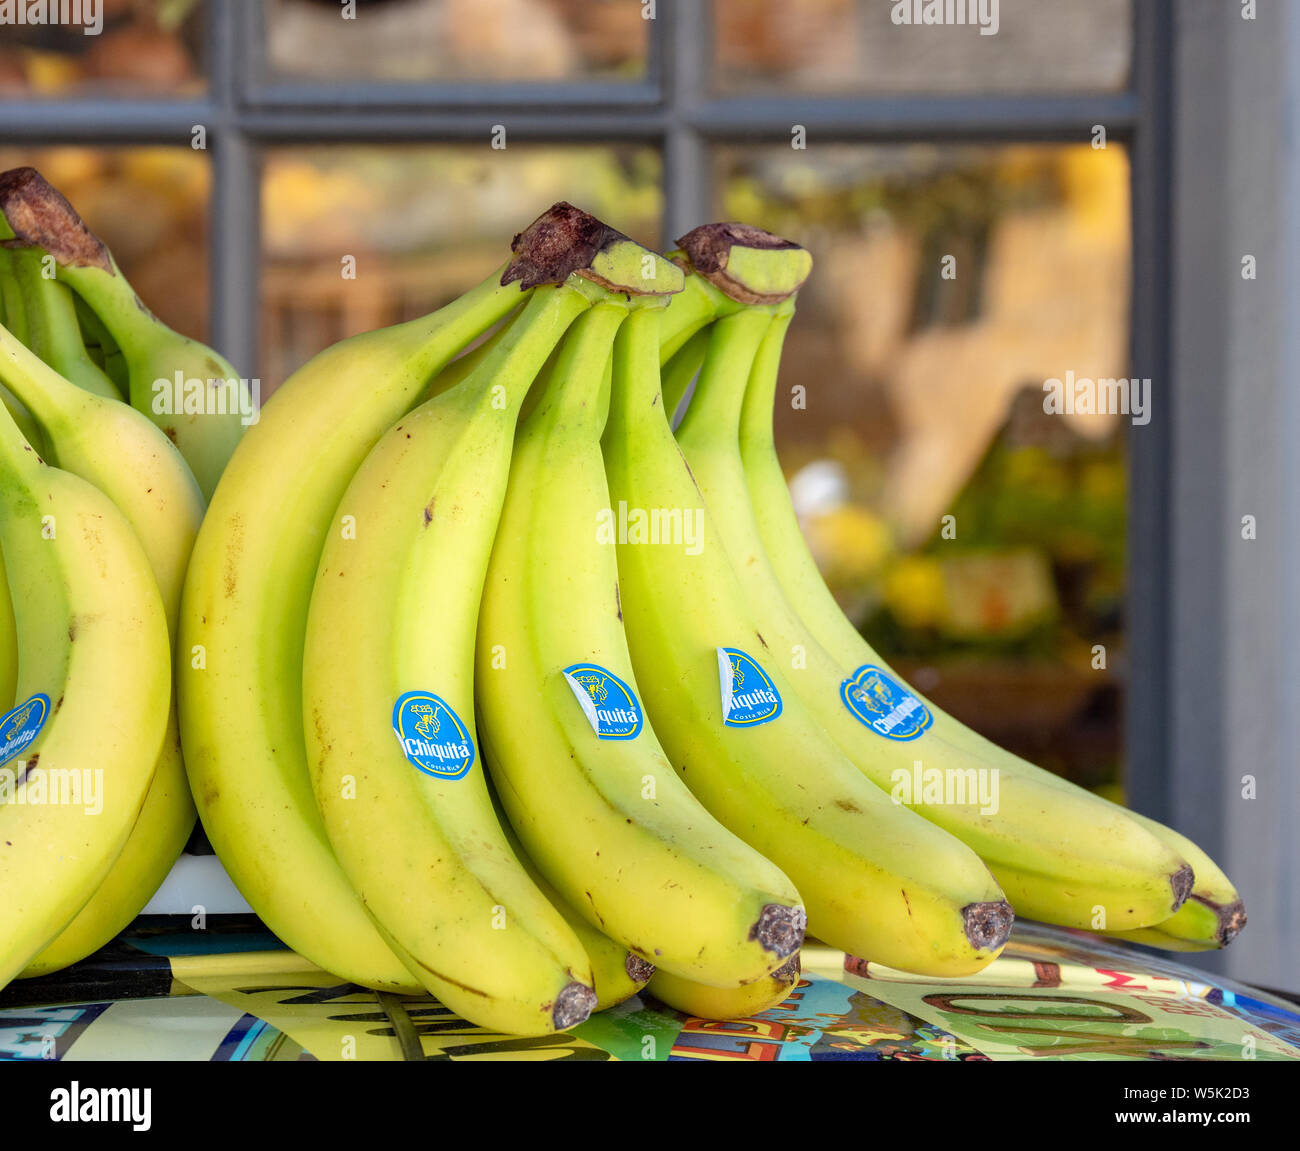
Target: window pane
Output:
[(150, 206), (146, 48), (950, 283), (423, 225), (855, 45), (407, 41)]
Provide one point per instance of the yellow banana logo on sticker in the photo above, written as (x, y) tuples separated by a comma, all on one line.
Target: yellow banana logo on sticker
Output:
[(595, 685), (428, 723)]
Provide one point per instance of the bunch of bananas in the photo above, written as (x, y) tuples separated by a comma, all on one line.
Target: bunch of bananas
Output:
[(100, 504), (493, 685)]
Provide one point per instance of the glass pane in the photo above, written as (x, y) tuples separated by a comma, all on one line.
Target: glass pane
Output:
[(138, 49), (408, 41), (950, 284), (150, 206), (864, 45), (422, 223)]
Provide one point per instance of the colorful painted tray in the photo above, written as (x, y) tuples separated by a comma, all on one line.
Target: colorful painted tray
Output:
[(232, 993)]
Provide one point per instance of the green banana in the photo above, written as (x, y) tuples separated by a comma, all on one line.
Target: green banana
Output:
[(184, 387), (52, 331), (244, 614), (390, 646), (94, 677), (603, 815), (114, 447), (1059, 853), (878, 881)]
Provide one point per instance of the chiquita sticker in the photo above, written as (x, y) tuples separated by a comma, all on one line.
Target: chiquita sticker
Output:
[(432, 735), (609, 704), (884, 704), (22, 725), (748, 696)]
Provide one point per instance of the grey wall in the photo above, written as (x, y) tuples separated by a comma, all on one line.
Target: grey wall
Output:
[(1234, 403)]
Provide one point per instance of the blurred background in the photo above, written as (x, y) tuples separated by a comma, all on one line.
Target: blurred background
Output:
[(1094, 610), (924, 392)]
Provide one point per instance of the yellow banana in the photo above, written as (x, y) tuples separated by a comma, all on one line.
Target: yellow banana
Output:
[(1213, 914), (877, 880), (1059, 853), (114, 447), (244, 614), (78, 753), (389, 647), (581, 774), (705, 1002)]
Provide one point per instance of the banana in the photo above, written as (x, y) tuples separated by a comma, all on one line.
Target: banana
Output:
[(8, 644), (114, 447), (95, 680), (877, 880), (701, 1001), (52, 331), (244, 614), (679, 372), (1059, 853), (389, 647), (186, 388), (602, 812), (617, 974), (1213, 914)]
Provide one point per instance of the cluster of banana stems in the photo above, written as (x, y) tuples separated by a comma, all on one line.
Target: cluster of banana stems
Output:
[(496, 686)]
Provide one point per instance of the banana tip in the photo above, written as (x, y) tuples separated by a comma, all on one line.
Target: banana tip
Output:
[(988, 924), (1232, 918), (780, 929), (573, 1005), (638, 970), (1181, 881)]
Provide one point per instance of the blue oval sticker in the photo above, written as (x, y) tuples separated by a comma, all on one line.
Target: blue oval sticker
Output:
[(749, 697), (432, 735), (884, 705), (22, 725), (610, 706)]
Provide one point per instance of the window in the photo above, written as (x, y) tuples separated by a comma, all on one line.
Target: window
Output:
[(972, 242)]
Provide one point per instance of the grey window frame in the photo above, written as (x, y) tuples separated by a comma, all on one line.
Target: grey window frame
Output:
[(673, 108)]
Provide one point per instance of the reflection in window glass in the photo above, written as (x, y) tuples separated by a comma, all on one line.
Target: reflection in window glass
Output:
[(407, 41), (422, 224), (950, 284), (150, 206), (856, 45), (144, 48)]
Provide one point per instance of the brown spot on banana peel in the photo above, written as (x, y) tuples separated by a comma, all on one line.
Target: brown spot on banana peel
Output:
[(780, 929), (573, 1005), (41, 216), (789, 972), (988, 924), (1181, 881), (709, 246), (638, 970)]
